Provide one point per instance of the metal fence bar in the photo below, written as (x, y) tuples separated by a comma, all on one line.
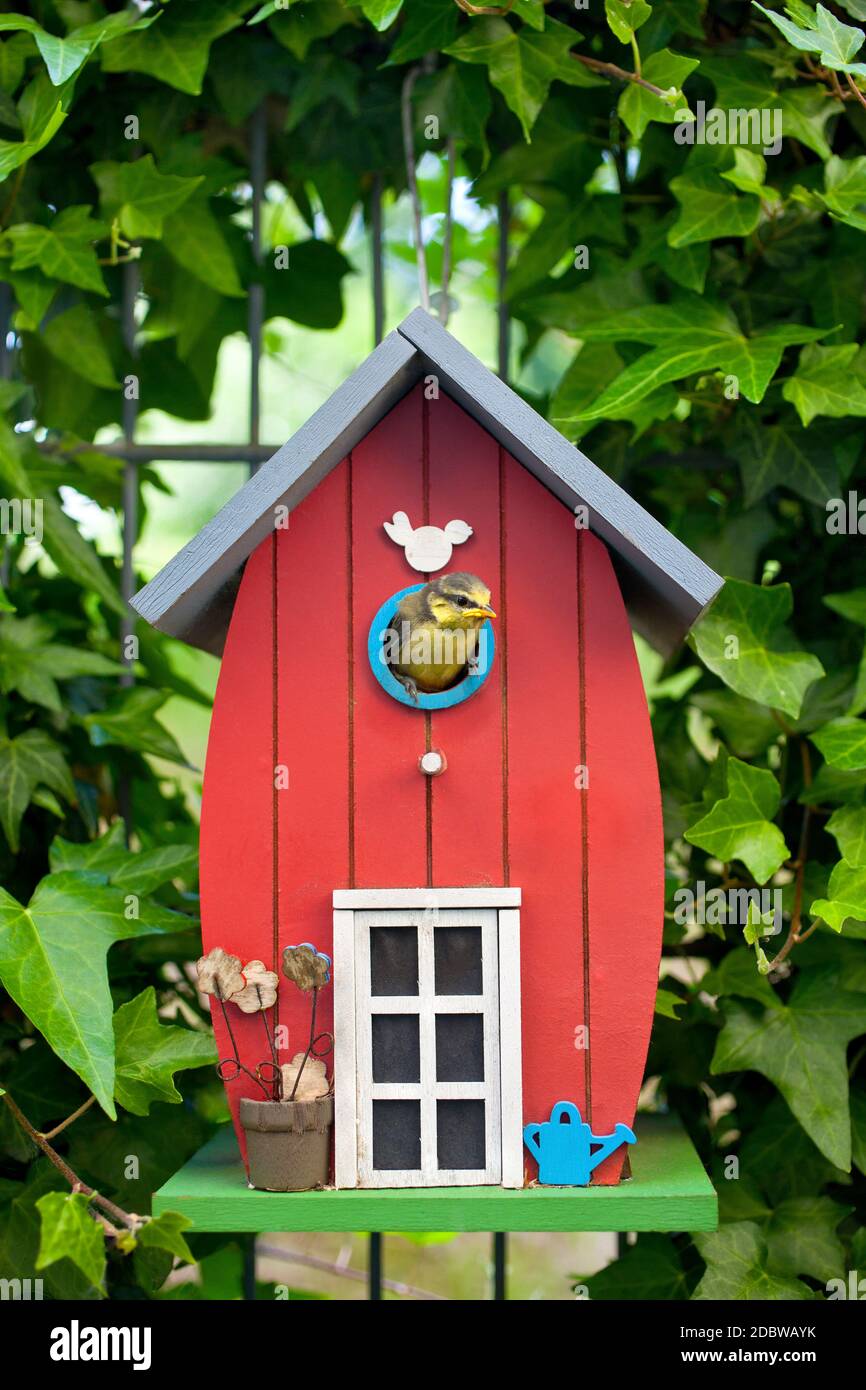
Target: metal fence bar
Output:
[(174, 453), (377, 259), (258, 149), (374, 1268), (504, 323), (129, 294), (500, 1253), (5, 329)]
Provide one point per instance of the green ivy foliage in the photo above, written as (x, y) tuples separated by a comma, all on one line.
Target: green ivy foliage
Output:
[(687, 183)]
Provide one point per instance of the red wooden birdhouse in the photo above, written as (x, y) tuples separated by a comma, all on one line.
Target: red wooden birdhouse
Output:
[(482, 858)]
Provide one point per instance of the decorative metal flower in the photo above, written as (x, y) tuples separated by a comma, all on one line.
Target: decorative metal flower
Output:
[(314, 1082), (260, 990), (220, 973), (307, 967)]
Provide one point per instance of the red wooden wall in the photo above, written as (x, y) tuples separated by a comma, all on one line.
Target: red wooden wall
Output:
[(295, 690)]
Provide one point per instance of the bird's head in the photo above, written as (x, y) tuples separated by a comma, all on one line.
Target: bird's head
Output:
[(459, 600)]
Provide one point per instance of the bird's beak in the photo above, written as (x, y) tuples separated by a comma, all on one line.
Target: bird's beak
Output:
[(483, 611)]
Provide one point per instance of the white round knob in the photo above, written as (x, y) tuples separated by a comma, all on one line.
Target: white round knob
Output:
[(432, 763)]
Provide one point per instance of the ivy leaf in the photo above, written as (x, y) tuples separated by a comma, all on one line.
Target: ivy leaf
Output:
[(805, 113), (460, 96), (69, 1232), (824, 383), (64, 54), (772, 456), (129, 720), (736, 1257), (32, 664), (176, 49), (802, 1238), (309, 290), (141, 871), (744, 641), (14, 53), (139, 195), (325, 78), (851, 605), (626, 16), (748, 174), (381, 13), (530, 11), (648, 1270), (299, 27), (847, 825), (801, 1049), (710, 208), (164, 1232), (193, 237), (523, 64), (689, 335), (847, 900), (638, 107), (148, 1053), (844, 194), (667, 1004), (40, 114), (28, 763), (739, 825), (73, 337), (428, 27), (834, 42), (61, 538), (736, 974), (52, 962), (63, 250), (843, 743)]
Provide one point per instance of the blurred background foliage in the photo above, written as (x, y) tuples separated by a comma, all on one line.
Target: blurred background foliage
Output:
[(690, 312)]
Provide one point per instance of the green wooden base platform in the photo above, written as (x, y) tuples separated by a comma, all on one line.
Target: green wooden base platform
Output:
[(669, 1191)]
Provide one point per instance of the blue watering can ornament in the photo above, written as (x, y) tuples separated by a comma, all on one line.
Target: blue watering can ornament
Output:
[(563, 1146)]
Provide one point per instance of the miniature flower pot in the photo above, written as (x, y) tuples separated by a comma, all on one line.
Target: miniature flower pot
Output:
[(288, 1142)]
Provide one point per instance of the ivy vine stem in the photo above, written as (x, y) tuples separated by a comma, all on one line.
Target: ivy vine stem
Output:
[(58, 1129), (622, 75), (636, 52), (795, 936), (855, 89), (128, 1219)]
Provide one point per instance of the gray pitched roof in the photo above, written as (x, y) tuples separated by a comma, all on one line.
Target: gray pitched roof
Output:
[(665, 586)]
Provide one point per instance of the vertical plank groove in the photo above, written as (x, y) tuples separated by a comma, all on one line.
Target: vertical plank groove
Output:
[(350, 666), (503, 659), (584, 825), (275, 745)]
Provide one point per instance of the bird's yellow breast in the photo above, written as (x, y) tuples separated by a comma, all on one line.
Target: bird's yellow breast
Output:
[(433, 656)]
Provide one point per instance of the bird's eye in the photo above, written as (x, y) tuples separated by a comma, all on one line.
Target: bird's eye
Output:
[(463, 601)]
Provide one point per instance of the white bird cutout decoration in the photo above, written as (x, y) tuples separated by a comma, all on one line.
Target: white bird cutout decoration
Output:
[(428, 548)]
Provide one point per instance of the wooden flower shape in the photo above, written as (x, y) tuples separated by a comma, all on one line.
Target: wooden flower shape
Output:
[(260, 990), (313, 1083), (220, 973), (306, 967)]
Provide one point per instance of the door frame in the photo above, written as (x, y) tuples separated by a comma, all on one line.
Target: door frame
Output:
[(349, 901)]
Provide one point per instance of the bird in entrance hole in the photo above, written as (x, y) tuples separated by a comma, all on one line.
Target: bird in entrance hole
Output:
[(433, 638)]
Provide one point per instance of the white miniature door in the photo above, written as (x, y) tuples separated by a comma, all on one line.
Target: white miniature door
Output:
[(427, 1104)]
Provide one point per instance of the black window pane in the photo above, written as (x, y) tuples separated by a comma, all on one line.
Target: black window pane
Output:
[(459, 1047), (394, 960), (397, 1134), (460, 1125), (457, 953), (396, 1050)]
